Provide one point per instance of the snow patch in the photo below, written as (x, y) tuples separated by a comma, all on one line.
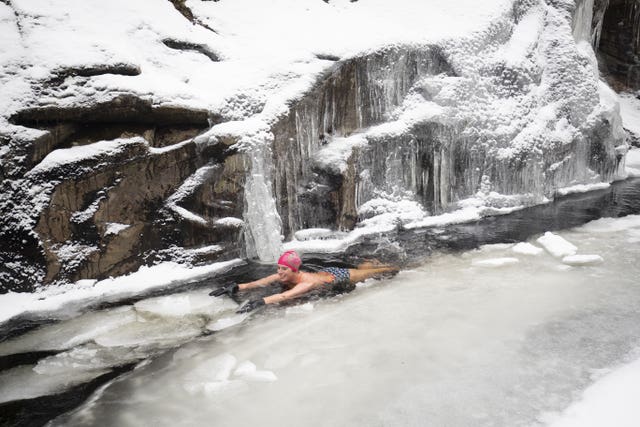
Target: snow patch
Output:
[(610, 401), (115, 228)]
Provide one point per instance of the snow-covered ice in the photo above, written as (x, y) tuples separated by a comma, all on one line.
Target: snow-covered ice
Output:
[(526, 248), (85, 292), (582, 259), (557, 245), (610, 401), (495, 262)]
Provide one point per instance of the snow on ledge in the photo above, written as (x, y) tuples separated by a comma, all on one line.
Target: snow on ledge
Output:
[(76, 154), (582, 188), (86, 292)]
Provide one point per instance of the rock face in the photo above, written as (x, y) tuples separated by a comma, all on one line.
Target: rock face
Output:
[(618, 42), (106, 211), (95, 188)]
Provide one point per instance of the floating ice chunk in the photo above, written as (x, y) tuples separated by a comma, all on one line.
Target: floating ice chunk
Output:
[(611, 225), (23, 382), (226, 322), (525, 248), (69, 333), (245, 368), (261, 376), (88, 357), (188, 303), (556, 245), (156, 332), (582, 259), (495, 262)]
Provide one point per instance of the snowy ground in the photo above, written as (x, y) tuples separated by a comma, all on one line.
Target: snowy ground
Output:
[(268, 50), (539, 333)]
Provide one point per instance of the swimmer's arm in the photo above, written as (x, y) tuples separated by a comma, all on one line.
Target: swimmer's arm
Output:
[(259, 283), (296, 291)]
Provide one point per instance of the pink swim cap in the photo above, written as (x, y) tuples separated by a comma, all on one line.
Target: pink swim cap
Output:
[(290, 259)]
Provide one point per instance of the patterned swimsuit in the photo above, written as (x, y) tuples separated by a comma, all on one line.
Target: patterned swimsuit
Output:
[(341, 276)]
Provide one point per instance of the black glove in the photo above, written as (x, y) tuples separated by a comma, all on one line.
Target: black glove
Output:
[(251, 305), (229, 290)]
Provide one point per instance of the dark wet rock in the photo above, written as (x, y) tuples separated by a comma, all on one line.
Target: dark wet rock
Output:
[(125, 108), (58, 76), (188, 46), (617, 42), (182, 7)]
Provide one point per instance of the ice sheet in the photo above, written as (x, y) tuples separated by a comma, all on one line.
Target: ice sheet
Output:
[(23, 382), (88, 357), (157, 332), (195, 303), (70, 333)]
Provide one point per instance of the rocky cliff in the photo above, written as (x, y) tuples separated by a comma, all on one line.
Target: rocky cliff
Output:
[(161, 142)]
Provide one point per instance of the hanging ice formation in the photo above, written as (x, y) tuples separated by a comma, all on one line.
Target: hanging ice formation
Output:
[(263, 231), (508, 115)]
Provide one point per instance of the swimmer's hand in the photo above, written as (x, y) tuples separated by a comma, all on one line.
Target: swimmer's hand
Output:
[(251, 305), (229, 290)]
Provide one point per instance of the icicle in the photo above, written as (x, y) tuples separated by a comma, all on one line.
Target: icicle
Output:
[(264, 227), (582, 21)]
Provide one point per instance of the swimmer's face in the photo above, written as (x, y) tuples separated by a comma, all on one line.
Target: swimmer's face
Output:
[(285, 273)]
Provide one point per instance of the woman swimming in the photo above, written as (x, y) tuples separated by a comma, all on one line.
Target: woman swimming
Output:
[(301, 282)]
